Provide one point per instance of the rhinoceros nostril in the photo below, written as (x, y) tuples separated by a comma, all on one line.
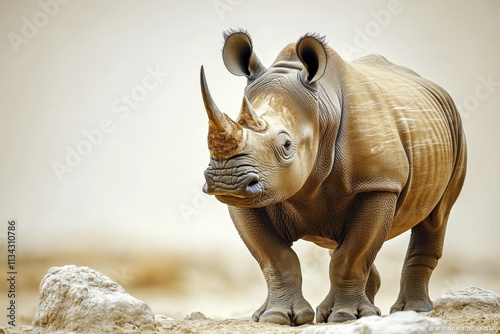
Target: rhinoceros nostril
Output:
[(252, 183), (251, 179)]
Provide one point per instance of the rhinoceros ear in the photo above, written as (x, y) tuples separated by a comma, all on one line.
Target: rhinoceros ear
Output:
[(238, 54), (311, 52)]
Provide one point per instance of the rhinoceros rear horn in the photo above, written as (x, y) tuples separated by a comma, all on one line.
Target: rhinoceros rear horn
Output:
[(238, 54), (311, 52), (249, 119)]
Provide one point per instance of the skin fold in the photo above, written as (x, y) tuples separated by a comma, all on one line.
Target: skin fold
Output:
[(342, 154)]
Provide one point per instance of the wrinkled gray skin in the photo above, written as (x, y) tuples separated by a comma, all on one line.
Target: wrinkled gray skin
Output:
[(343, 154)]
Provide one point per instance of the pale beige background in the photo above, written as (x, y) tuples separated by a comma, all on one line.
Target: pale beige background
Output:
[(134, 208)]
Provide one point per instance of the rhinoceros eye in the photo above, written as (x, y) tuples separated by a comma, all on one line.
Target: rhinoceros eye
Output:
[(285, 145)]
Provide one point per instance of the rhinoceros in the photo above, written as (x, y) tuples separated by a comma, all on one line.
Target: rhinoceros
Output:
[(345, 154)]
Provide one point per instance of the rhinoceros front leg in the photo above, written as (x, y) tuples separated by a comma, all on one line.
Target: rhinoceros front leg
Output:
[(280, 265), (351, 291)]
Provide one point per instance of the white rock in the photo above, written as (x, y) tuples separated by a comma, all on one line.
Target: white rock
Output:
[(470, 301), (82, 300), (196, 316), (408, 322)]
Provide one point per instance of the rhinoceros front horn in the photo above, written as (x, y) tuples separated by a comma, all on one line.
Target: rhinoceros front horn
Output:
[(225, 137)]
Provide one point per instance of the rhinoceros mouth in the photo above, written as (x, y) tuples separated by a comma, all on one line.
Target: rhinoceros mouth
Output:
[(249, 202)]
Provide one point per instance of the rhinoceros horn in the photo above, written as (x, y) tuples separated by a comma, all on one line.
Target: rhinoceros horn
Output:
[(225, 137), (249, 119)]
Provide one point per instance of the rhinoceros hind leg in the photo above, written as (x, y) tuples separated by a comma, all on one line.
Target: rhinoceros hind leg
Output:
[(424, 250), (426, 245)]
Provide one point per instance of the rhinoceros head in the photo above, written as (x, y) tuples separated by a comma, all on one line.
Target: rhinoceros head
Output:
[(268, 153)]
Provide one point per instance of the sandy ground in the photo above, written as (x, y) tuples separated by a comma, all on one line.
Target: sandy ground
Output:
[(225, 285), (246, 325), (176, 284)]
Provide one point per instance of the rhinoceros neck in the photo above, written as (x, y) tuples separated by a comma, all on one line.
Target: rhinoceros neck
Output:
[(330, 103), (333, 79), (329, 106)]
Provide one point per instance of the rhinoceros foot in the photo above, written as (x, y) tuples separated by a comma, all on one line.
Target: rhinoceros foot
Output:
[(328, 312), (287, 312), (422, 304)]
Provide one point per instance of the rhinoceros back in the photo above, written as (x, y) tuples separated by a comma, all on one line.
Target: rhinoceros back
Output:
[(401, 133)]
